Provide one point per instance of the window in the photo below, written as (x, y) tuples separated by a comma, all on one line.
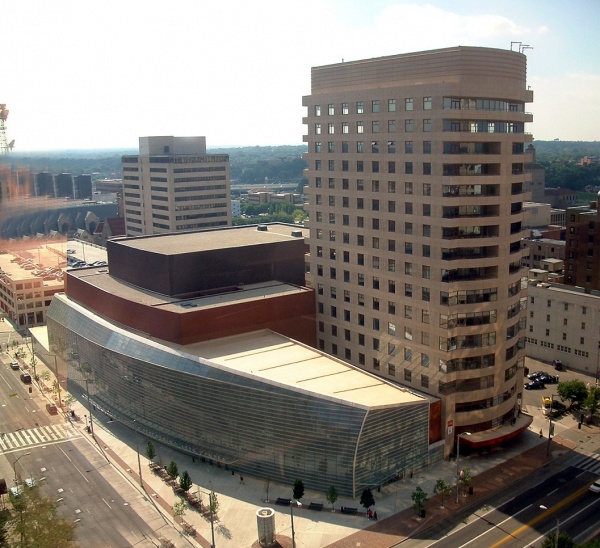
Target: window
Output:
[(391, 105), (426, 103), (345, 129), (317, 110), (375, 127), (408, 290), (408, 168), (317, 129), (408, 147), (375, 106), (391, 369), (426, 168), (375, 324), (408, 248), (391, 167), (360, 127), (391, 307), (330, 146), (408, 126), (408, 104), (360, 107), (408, 269), (426, 210), (426, 189), (426, 251), (427, 124), (331, 109), (427, 230), (424, 381), (375, 282), (391, 128), (392, 144), (424, 360), (408, 188), (426, 295), (331, 128), (407, 354), (376, 364), (407, 375), (318, 146), (375, 303), (408, 335), (426, 147), (408, 312), (426, 272)]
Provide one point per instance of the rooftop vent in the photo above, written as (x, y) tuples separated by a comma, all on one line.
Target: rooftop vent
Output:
[(262, 228), (296, 233)]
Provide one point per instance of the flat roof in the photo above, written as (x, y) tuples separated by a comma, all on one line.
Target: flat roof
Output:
[(38, 261), (100, 278), (279, 360), (208, 240)]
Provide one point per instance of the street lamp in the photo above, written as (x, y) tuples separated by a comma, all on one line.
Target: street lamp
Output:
[(457, 457), (15, 465), (550, 426), (210, 509), (557, 525), (292, 516)]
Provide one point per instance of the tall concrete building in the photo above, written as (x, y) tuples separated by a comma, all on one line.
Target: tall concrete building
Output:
[(582, 267), (172, 185), (416, 189)]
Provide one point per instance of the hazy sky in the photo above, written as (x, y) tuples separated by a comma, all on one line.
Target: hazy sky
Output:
[(100, 74)]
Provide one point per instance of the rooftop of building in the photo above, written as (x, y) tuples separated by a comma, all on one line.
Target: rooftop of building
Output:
[(30, 260), (563, 288), (208, 240), (282, 361)]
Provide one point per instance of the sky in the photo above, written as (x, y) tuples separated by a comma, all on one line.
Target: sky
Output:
[(81, 74)]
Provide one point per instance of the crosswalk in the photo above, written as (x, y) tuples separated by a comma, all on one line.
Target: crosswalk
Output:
[(41, 435), (590, 463)]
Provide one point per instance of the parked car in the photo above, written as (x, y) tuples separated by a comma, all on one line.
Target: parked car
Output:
[(26, 378), (595, 487), (52, 409), (557, 365), (533, 376), (534, 385), (14, 365), (547, 379)]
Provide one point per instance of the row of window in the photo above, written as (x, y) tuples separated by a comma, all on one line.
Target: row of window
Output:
[(359, 127), (452, 103)]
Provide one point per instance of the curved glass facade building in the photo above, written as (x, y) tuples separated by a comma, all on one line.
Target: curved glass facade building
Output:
[(258, 403)]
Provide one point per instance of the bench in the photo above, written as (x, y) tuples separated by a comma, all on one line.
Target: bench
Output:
[(351, 511), (315, 506), (283, 501)]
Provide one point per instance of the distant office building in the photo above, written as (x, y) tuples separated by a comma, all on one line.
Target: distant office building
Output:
[(537, 250), (172, 185), (109, 186), (82, 187), (536, 186), (63, 185), (15, 183), (582, 267), (561, 198), (44, 184), (236, 208), (416, 184)]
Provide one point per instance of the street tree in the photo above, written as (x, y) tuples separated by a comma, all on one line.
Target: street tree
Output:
[(213, 502), (367, 499), (592, 401), (173, 470), (564, 540), (419, 498), (331, 496), (35, 522), (180, 507), (150, 451), (298, 489), (443, 489), (185, 481), (572, 391)]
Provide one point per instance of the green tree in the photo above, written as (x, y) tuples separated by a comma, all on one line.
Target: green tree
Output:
[(298, 489), (592, 401), (419, 498), (213, 502), (367, 499), (173, 470), (443, 489), (45, 375), (572, 391), (466, 477), (564, 540), (35, 522), (331, 496), (185, 481), (180, 507), (150, 451)]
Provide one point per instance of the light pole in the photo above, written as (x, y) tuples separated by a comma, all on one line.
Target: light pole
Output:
[(15, 465), (550, 426), (457, 457), (210, 509), (557, 526), (292, 516)]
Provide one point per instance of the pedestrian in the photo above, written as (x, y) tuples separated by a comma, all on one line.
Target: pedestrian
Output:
[(241, 479), (541, 433), (375, 516), (369, 514)]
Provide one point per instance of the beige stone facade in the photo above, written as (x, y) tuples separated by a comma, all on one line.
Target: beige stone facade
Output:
[(416, 185), (173, 185)]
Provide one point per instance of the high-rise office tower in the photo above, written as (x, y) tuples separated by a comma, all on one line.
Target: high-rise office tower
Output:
[(416, 189), (172, 185)]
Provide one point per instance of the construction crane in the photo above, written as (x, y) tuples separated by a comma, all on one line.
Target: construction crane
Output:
[(5, 146)]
